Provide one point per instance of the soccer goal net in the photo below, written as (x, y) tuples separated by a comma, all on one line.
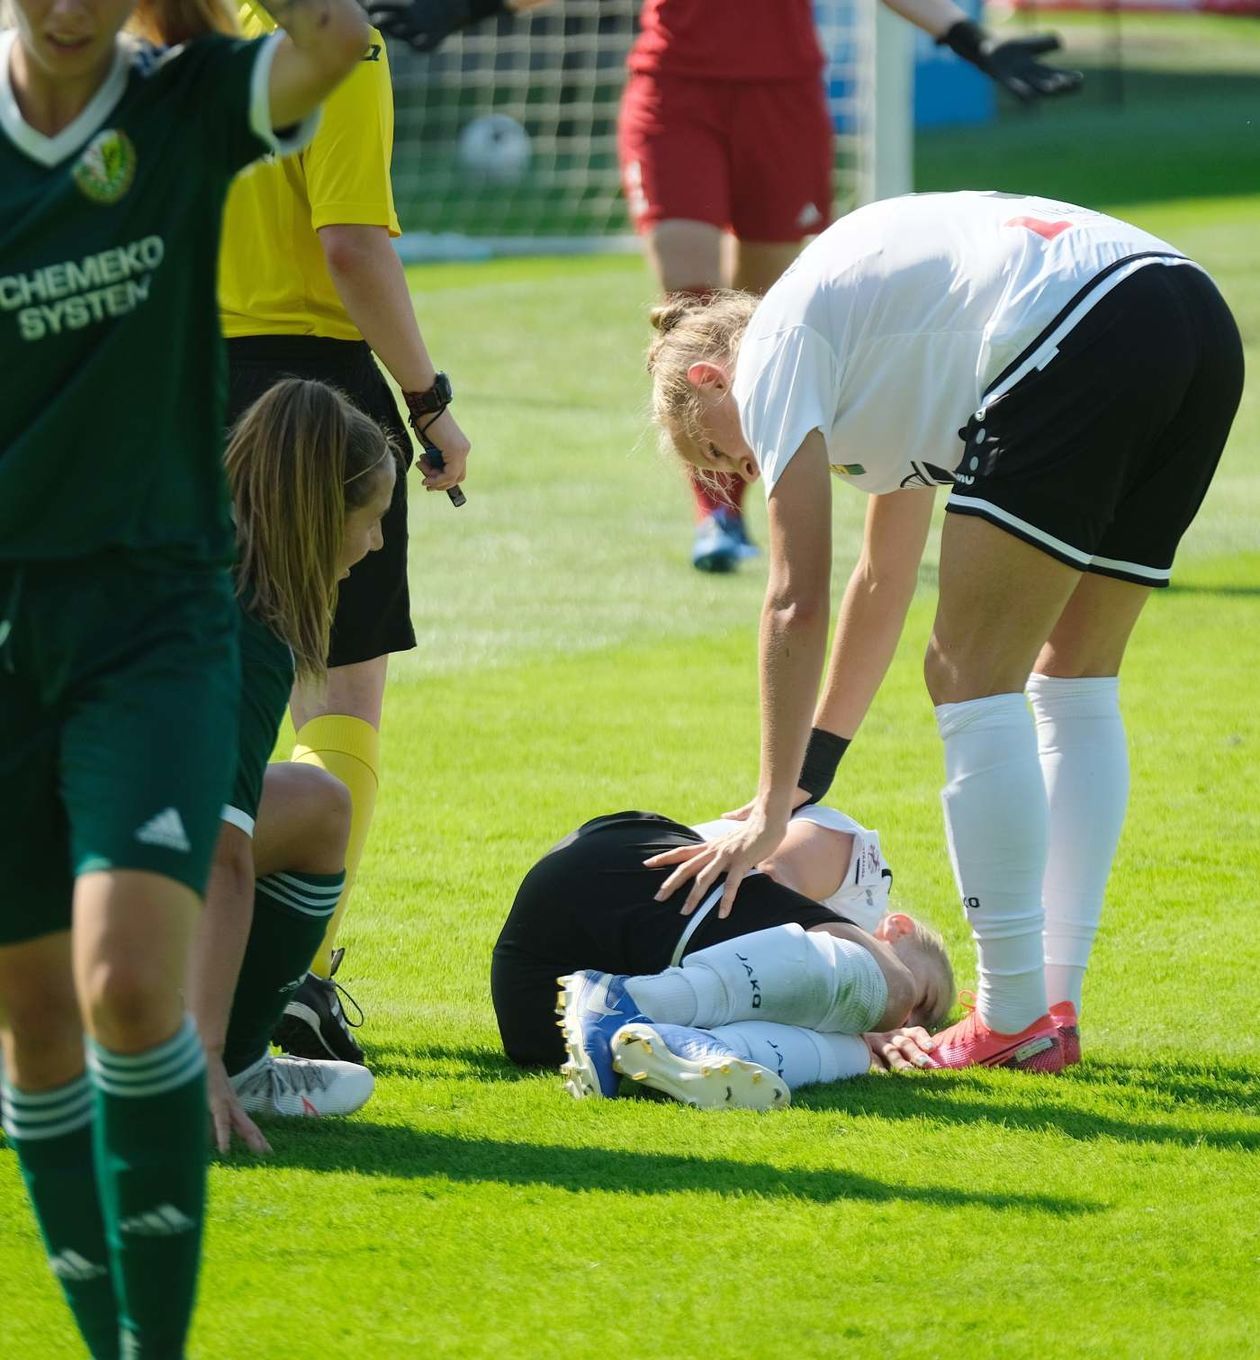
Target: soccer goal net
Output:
[(506, 138)]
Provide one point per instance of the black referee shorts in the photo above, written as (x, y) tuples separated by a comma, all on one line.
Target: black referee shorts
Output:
[(1102, 457), (373, 614), (589, 903)]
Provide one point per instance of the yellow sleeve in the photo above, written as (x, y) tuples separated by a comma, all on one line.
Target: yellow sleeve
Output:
[(347, 165)]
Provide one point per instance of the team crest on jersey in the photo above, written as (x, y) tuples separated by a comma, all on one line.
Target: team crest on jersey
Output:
[(107, 167)]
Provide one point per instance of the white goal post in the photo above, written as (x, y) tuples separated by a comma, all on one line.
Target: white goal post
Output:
[(558, 74)]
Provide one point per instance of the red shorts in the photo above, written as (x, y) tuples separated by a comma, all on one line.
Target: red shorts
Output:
[(754, 159)]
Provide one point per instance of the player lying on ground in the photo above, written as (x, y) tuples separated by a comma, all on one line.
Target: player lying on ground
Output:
[(590, 904), (311, 477), (1073, 379), (118, 650)]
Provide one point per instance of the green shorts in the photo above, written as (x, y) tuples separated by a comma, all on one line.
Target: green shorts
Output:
[(119, 687)]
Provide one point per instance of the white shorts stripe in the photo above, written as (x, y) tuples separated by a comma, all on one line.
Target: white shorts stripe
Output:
[(1057, 545)]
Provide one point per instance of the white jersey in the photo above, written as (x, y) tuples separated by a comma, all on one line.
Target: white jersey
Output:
[(862, 893), (892, 327)]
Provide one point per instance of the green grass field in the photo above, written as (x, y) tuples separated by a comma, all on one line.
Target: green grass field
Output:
[(571, 663)]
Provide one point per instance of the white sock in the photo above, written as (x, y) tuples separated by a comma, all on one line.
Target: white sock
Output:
[(784, 974), (1085, 766), (996, 826), (802, 1057)]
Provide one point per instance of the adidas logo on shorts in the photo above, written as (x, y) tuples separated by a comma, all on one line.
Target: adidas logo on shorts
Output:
[(166, 830), (164, 1221)]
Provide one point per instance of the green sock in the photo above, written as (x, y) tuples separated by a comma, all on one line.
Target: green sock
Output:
[(291, 913), (51, 1132), (150, 1148)]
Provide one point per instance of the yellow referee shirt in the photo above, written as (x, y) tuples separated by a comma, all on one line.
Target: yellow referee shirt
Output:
[(272, 275)]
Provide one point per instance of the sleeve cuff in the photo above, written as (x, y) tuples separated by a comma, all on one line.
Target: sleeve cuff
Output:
[(355, 215), (287, 140), (234, 816)]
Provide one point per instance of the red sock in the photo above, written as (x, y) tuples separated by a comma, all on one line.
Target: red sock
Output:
[(727, 495)]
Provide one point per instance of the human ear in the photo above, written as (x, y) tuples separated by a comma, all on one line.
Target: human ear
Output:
[(706, 374), (895, 926)]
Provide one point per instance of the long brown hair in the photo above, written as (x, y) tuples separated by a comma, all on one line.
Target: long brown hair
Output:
[(167, 23), (299, 461)]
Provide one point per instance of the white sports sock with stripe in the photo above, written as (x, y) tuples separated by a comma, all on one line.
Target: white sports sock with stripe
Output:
[(1085, 766), (996, 825), (783, 974), (802, 1057)]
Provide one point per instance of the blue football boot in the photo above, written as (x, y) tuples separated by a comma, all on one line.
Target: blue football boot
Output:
[(716, 548), (696, 1068), (592, 1007)]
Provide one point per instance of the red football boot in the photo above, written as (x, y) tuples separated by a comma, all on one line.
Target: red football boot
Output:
[(971, 1043), (1063, 1013)]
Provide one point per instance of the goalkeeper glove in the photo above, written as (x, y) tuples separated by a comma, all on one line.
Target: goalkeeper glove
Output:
[(426, 24), (1013, 64)]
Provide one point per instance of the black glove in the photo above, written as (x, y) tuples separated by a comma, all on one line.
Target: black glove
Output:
[(1013, 64), (426, 24)]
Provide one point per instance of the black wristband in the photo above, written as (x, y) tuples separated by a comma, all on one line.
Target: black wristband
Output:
[(822, 756), (483, 9), (967, 40)]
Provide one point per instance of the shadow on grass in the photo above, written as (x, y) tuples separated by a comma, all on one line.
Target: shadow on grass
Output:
[(424, 1154), (441, 1060), (1196, 1091), (1192, 589)]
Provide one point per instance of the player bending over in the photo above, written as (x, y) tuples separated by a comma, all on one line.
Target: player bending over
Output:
[(590, 904), (118, 631), (1072, 380), (311, 478)]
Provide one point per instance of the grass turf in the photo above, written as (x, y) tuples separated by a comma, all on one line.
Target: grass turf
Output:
[(571, 663)]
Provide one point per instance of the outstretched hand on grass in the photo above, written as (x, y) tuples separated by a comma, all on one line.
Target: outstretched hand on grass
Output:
[(901, 1050), (227, 1114), (734, 855)]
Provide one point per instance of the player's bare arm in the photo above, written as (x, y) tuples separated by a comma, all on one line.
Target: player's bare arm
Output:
[(324, 40), (792, 645), (370, 281), (873, 610), (218, 948)]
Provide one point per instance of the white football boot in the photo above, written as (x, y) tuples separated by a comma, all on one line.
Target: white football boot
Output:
[(693, 1067), (302, 1086)]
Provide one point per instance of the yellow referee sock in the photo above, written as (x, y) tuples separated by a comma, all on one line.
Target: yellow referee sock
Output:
[(349, 749)]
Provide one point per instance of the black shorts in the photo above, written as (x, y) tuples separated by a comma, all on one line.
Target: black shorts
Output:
[(1102, 457), (373, 614), (589, 903)]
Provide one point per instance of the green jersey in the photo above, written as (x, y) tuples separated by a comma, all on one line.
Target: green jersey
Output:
[(111, 427), (266, 682)]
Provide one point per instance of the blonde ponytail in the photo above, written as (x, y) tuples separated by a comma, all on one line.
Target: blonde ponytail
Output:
[(691, 329)]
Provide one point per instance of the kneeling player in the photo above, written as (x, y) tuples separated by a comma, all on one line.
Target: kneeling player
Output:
[(310, 477), (590, 904)]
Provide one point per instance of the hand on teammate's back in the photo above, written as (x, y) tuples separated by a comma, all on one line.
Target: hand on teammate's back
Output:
[(426, 24), (1013, 64)]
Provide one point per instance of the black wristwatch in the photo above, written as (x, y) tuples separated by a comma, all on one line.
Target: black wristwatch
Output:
[(432, 402)]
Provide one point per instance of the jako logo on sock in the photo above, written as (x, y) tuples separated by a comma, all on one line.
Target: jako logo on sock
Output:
[(971, 903), (752, 981)]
